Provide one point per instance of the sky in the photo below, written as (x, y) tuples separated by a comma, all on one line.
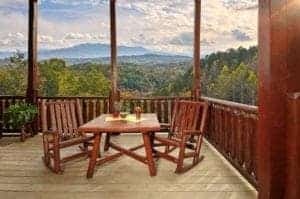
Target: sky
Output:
[(158, 25)]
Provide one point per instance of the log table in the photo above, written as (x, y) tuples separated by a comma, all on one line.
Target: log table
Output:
[(147, 125)]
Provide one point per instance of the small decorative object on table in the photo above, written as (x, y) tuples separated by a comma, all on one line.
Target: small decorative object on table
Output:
[(117, 108), (138, 112), (21, 116)]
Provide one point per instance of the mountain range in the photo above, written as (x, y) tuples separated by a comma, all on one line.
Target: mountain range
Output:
[(86, 50), (90, 52), (146, 60)]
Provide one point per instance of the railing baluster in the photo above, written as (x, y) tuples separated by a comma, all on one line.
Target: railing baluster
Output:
[(132, 106), (158, 110), (166, 111), (145, 106)]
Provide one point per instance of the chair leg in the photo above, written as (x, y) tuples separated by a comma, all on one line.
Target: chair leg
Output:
[(197, 150), (179, 168), (167, 149), (46, 157), (56, 160), (0, 133), (107, 140)]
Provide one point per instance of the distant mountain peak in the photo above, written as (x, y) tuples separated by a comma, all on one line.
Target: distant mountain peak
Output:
[(91, 50), (85, 50)]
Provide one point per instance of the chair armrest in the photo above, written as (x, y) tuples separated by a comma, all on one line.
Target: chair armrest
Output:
[(50, 135), (48, 132), (165, 125), (193, 132)]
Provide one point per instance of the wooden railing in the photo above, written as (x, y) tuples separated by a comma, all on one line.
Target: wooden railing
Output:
[(232, 130), (5, 102), (163, 106), (232, 127), (95, 106)]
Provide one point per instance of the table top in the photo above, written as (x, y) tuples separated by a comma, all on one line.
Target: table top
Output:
[(149, 123)]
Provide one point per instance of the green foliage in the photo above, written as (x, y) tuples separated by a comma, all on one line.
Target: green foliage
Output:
[(19, 114), (13, 76), (229, 75), (50, 72), (238, 84), (58, 79)]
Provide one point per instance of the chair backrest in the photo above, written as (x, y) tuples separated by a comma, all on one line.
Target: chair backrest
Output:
[(62, 117), (189, 115)]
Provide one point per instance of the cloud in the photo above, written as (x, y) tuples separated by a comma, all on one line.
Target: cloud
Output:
[(14, 40), (184, 39), (77, 36), (45, 39), (83, 36), (12, 2), (158, 25), (241, 36), (241, 4)]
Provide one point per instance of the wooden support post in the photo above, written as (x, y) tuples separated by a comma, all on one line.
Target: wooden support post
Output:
[(32, 86), (196, 90), (293, 141), (279, 72), (114, 65), (32, 81)]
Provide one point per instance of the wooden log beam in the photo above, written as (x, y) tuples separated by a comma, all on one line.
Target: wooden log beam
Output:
[(279, 57), (293, 138), (196, 90), (114, 64), (32, 85)]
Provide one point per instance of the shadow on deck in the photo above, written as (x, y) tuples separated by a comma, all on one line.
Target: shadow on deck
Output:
[(23, 175)]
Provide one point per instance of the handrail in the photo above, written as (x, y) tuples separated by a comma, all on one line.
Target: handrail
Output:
[(74, 97), (12, 97), (232, 104), (155, 98)]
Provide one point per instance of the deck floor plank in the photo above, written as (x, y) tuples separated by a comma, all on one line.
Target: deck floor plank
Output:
[(23, 175)]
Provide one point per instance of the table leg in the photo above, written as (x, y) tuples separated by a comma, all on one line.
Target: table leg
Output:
[(94, 155), (149, 155)]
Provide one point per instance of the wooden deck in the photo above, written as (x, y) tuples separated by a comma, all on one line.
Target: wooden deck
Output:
[(23, 175)]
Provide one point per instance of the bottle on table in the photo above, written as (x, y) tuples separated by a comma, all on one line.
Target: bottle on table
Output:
[(138, 112)]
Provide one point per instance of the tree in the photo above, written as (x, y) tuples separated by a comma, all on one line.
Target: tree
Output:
[(13, 76), (50, 72)]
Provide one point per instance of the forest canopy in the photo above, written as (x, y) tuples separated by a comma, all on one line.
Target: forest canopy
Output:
[(229, 75)]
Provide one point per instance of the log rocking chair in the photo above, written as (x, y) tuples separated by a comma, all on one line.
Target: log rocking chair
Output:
[(60, 121), (188, 123)]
